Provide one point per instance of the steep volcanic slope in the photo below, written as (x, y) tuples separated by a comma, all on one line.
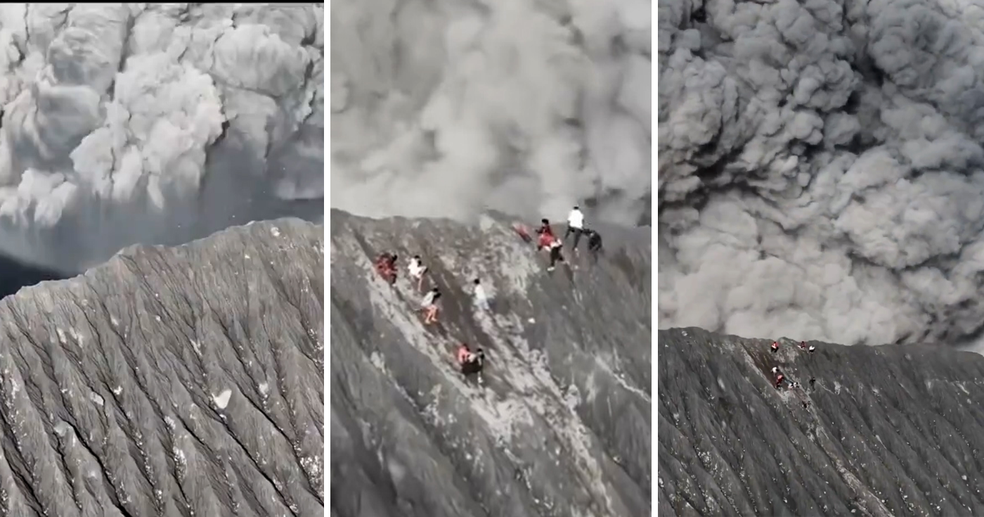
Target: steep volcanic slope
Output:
[(170, 381), (560, 427), (889, 430)]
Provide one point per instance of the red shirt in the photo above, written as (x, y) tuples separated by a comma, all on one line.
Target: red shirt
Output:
[(463, 354)]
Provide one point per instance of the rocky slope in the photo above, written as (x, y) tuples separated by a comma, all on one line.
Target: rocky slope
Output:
[(887, 430), (561, 424), (170, 381)]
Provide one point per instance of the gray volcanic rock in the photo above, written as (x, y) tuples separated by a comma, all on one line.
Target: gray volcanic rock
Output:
[(886, 430), (560, 425), (170, 381)]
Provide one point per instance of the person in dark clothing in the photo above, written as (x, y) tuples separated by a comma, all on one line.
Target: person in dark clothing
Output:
[(555, 255), (475, 363), (775, 346), (594, 240)]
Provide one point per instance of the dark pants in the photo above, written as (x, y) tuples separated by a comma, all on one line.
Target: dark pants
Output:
[(594, 243), (555, 256), (577, 235), (471, 367)]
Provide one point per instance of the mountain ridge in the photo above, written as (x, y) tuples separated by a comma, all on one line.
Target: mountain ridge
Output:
[(169, 381), (411, 437), (885, 430)]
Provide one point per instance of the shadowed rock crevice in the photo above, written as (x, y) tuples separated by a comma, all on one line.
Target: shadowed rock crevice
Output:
[(560, 425), (170, 381), (887, 430)]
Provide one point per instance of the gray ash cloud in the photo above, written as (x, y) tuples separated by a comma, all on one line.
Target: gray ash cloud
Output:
[(820, 169), (127, 123), (446, 108)]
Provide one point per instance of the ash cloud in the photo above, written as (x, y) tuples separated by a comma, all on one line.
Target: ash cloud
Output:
[(820, 170), (446, 108), (129, 123)]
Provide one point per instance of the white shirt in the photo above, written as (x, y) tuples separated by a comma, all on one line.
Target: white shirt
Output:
[(428, 299), (416, 268), (480, 293), (575, 219)]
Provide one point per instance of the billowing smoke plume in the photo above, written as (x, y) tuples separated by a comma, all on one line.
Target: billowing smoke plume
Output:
[(820, 171), (154, 123), (444, 107)]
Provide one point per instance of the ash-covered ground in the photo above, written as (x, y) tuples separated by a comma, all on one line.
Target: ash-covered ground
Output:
[(170, 382), (884, 430), (561, 425)]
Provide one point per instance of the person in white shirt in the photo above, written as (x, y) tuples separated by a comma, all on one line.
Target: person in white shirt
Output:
[(481, 298), (429, 306), (575, 225), (417, 269)]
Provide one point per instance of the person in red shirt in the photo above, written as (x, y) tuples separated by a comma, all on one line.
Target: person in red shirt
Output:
[(546, 234), (464, 353), (386, 267)]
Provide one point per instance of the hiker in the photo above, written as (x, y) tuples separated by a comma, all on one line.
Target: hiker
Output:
[(779, 376), (463, 354), (775, 346), (429, 305), (555, 255), (481, 298), (575, 225), (386, 266), (469, 362), (417, 269), (523, 232), (594, 240), (546, 234), (475, 363)]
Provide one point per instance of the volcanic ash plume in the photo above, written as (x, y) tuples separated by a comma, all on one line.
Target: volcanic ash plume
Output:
[(820, 172), (444, 108), (150, 123)]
